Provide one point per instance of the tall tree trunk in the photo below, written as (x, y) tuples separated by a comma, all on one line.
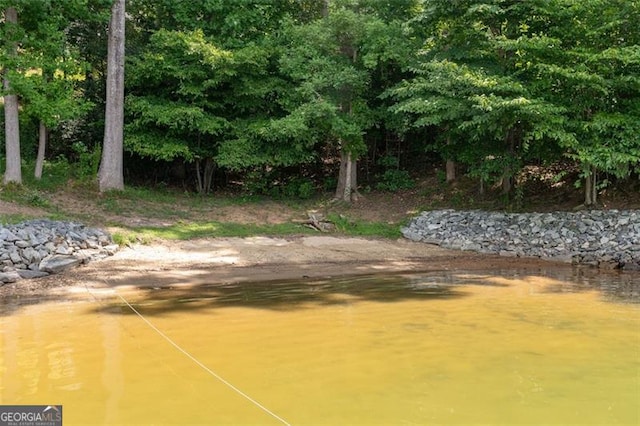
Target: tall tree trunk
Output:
[(111, 174), (346, 189), (43, 136), (13, 172), (199, 184)]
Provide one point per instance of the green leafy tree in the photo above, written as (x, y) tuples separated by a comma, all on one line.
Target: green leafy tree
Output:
[(203, 87), (468, 83), (332, 62), (47, 69), (506, 82), (174, 104), (593, 75)]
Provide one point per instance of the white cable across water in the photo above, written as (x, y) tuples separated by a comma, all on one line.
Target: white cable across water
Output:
[(204, 367)]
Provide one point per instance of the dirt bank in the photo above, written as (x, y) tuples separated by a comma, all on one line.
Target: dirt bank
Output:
[(227, 260)]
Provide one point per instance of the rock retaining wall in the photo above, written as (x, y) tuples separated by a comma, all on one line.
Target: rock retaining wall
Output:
[(38, 248), (603, 238)]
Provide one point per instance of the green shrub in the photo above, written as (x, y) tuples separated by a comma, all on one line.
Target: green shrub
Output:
[(395, 180), (88, 161), (299, 188)]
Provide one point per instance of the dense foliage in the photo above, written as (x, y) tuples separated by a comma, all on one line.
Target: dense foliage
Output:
[(274, 93)]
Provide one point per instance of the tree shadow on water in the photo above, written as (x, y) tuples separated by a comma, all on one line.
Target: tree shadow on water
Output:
[(298, 294), (283, 295), (169, 295)]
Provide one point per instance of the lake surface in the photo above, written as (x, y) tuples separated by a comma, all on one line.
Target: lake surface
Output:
[(508, 347)]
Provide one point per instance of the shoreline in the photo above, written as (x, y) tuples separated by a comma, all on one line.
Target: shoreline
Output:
[(222, 261)]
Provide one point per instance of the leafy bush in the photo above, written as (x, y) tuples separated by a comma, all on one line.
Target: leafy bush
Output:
[(88, 161), (265, 183), (395, 180), (299, 188)]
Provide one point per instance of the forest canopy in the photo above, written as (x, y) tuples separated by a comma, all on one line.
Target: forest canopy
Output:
[(296, 96)]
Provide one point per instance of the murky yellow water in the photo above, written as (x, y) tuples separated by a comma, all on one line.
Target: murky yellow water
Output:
[(457, 349)]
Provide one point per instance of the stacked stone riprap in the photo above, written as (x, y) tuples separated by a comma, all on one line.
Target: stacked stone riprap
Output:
[(604, 238), (38, 248)]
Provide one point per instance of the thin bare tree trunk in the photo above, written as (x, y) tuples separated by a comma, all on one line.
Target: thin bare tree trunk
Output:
[(348, 185), (43, 136), (199, 184), (590, 190), (507, 175), (204, 175), (451, 170), (111, 174), (507, 183), (13, 172), (209, 168)]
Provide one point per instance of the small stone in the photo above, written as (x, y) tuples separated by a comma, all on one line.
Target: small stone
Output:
[(15, 257), (63, 250), (9, 277), (28, 274), (111, 249)]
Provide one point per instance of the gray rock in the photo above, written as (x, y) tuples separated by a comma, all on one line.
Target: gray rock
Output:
[(58, 262), (9, 277), (31, 255), (24, 246), (30, 274), (609, 239), (15, 257), (111, 249)]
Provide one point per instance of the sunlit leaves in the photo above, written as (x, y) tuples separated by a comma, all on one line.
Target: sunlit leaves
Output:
[(331, 61), (47, 68), (526, 78)]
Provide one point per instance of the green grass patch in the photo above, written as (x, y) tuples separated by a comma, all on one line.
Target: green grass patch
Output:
[(24, 195), (188, 231), (358, 228), (55, 175), (18, 218), (145, 202), (6, 219)]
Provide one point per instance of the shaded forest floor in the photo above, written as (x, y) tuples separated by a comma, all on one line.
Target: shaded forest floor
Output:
[(138, 207)]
